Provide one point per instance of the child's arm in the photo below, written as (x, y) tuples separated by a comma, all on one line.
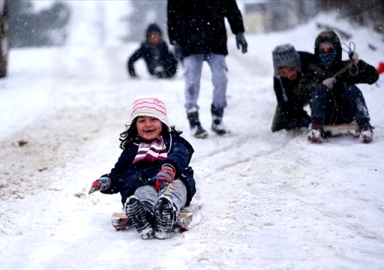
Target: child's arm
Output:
[(134, 57), (174, 14), (165, 176), (175, 164), (108, 182), (362, 73), (180, 155), (281, 95)]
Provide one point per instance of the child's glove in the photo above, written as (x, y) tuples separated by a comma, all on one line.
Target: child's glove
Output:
[(100, 184), (165, 176), (354, 57), (329, 82), (241, 42)]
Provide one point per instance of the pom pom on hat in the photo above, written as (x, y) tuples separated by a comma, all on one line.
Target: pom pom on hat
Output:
[(285, 56), (150, 106)]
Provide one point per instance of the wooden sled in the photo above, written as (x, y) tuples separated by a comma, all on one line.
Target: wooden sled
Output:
[(188, 216), (341, 127), (333, 130)]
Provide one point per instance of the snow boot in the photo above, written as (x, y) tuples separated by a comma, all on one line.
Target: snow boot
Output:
[(366, 134), (217, 121), (315, 133), (140, 217), (165, 218), (197, 130)]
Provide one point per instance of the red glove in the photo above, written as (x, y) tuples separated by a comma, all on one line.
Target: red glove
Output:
[(165, 176), (100, 184)]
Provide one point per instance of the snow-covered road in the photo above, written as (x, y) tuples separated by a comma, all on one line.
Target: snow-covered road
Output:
[(270, 201)]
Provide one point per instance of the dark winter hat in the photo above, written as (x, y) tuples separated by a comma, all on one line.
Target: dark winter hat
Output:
[(285, 56), (153, 27)]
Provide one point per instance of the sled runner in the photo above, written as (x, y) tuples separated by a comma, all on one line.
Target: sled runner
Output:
[(188, 216)]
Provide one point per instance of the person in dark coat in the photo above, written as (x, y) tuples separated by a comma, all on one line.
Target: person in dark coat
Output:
[(197, 29), (335, 98), (154, 50), (152, 174), (291, 88)]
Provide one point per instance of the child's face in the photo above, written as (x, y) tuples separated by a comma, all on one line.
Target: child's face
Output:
[(327, 54), (148, 127), (154, 37), (326, 48), (289, 73)]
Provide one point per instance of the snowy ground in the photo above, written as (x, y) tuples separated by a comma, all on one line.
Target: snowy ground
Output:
[(270, 200)]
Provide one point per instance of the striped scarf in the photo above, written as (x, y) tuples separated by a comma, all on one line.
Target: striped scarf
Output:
[(152, 151)]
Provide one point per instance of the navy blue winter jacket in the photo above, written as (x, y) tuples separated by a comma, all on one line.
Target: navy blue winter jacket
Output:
[(127, 176), (154, 56), (199, 27)]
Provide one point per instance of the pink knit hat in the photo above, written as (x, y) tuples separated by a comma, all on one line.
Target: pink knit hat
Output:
[(150, 106)]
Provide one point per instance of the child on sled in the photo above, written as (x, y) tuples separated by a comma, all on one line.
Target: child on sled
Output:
[(160, 62), (152, 173), (335, 98)]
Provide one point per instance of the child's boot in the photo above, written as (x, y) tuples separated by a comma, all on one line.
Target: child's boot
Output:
[(137, 213), (315, 133), (196, 129), (165, 217), (217, 121), (366, 133)]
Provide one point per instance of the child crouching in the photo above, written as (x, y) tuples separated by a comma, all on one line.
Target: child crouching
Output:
[(152, 174)]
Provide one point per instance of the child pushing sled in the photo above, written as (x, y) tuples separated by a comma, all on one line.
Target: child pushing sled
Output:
[(152, 173)]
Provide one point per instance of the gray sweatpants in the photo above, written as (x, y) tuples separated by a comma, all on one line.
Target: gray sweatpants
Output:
[(193, 65), (176, 191)]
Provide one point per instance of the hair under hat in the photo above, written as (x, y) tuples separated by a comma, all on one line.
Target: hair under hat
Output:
[(285, 56), (150, 106), (153, 27)]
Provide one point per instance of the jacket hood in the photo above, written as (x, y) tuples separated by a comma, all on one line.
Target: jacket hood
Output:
[(153, 27), (329, 36)]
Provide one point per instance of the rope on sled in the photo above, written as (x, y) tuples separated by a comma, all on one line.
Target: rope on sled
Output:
[(350, 50)]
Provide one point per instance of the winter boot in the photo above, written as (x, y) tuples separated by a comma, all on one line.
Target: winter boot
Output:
[(195, 125), (315, 133), (366, 133), (217, 124), (139, 216), (165, 217)]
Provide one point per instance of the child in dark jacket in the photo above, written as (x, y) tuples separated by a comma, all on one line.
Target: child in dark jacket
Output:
[(159, 60), (335, 98), (291, 88), (152, 174)]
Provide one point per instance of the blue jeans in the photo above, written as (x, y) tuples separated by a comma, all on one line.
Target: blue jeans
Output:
[(192, 71), (339, 105)]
